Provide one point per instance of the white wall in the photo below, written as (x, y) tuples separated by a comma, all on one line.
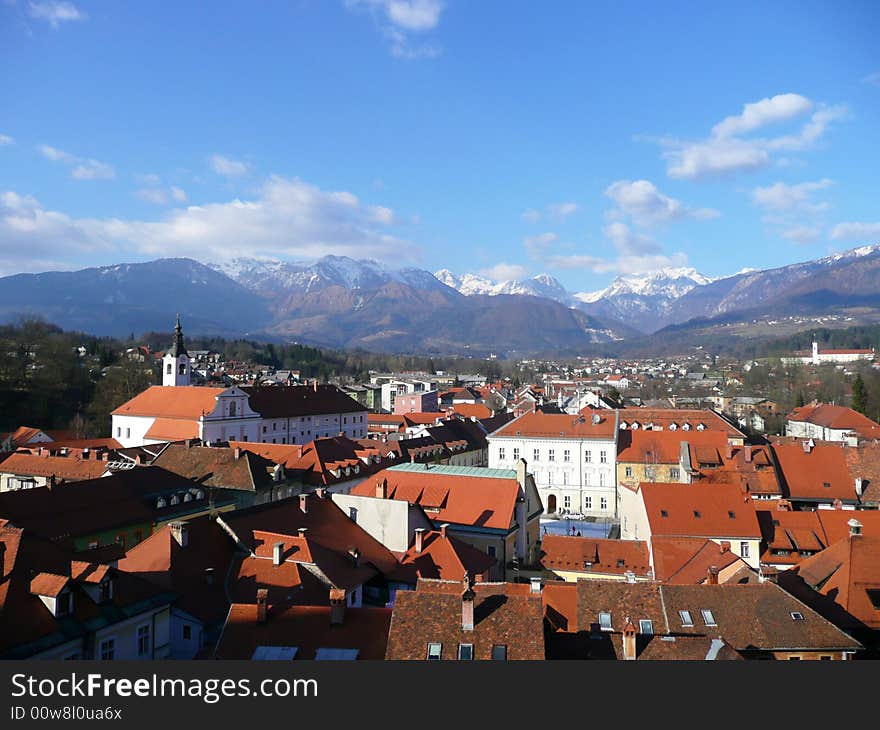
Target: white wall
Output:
[(390, 521)]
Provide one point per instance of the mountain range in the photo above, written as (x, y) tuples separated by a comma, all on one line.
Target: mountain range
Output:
[(341, 302)]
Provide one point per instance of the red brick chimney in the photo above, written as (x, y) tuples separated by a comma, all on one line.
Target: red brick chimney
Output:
[(629, 640), (712, 576), (725, 546), (468, 598), (420, 539), (747, 452), (262, 605), (337, 606), (382, 489)]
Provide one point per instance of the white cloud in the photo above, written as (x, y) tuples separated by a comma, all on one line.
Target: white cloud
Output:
[(866, 232), (289, 218), (505, 272), (761, 113), (783, 197), (381, 214), (93, 170), (628, 242), (400, 20), (802, 234), (562, 210), (83, 168), (161, 196), (55, 13), (227, 166), (531, 215), (5, 139), (54, 154), (537, 245), (153, 195), (641, 201), (620, 265), (726, 151)]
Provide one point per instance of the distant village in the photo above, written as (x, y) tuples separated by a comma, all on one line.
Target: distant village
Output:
[(602, 509)]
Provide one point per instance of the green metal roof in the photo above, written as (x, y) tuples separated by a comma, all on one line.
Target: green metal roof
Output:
[(460, 471)]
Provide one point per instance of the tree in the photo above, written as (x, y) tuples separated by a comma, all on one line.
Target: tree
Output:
[(859, 395)]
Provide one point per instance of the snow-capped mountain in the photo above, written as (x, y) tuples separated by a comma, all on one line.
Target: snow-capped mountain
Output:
[(542, 285), (644, 300), (669, 283), (275, 277)]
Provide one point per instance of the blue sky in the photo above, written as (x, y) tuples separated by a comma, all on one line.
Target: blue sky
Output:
[(585, 139)]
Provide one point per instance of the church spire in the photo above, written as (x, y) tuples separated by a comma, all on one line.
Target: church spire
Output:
[(177, 347)]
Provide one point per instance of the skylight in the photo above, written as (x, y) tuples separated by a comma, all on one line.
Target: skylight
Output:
[(268, 653), (434, 651), (797, 616), (686, 619), (708, 618), (605, 621)]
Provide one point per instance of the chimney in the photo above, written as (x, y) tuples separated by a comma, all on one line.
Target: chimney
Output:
[(728, 452), (355, 556), (444, 529), (315, 384), (725, 546), (468, 598), (629, 640), (337, 606), (748, 454), (712, 575), (382, 489), (321, 492), (278, 553), (535, 582), (860, 486), (180, 532), (855, 527), (105, 456), (209, 576), (420, 537), (303, 503), (808, 446), (303, 532), (262, 605), (237, 453)]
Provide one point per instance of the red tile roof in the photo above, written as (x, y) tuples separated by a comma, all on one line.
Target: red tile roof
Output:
[(665, 417), (172, 429), (663, 447), (837, 418), (820, 474), (699, 510), (454, 498), (687, 560), (49, 584), (505, 614), (67, 468), (555, 425), (167, 401), (615, 557), (444, 558), (306, 627)]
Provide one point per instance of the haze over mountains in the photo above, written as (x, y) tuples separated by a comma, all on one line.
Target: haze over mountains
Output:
[(345, 303)]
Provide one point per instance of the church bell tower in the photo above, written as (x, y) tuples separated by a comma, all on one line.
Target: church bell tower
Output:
[(176, 367)]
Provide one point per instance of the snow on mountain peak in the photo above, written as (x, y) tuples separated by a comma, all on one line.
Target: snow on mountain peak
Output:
[(670, 283)]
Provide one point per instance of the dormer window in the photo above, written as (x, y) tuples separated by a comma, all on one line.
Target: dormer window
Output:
[(106, 590)]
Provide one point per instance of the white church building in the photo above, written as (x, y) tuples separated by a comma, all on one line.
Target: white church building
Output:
[(819, 357), (178, 410)]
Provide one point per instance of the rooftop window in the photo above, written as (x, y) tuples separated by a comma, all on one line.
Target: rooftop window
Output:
[(499, 652), (466, 652), (605, 620), (797, 616), (697, 513), (686, 619), (708, 618), (434, 651), (646, 626)]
